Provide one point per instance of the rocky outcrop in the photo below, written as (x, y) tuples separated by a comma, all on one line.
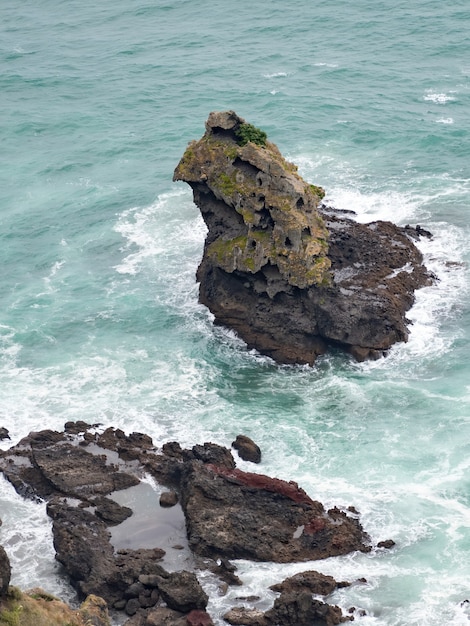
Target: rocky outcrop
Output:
[(235, 514), (5, 572), (296, 605), (4, 434), (81, 472), (39, 608), (247, 449), (288, 274)]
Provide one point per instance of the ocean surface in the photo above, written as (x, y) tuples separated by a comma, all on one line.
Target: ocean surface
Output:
[(99, 316)]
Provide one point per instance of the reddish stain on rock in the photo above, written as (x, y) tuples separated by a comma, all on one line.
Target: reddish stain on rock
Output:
[(199, 618), (289, 489), (314, 526)]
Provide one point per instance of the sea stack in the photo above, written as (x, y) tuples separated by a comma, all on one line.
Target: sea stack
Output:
[(290, 275)]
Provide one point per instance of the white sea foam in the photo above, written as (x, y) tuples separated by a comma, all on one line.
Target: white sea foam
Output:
[(29, 543), (438, 98), (445, 120), (275, 75)]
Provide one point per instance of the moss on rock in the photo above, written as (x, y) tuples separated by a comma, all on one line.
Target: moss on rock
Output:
[(235, 162), (39, 608)]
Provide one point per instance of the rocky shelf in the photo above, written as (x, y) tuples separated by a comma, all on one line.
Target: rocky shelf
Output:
[(91, 479), (290, 275)]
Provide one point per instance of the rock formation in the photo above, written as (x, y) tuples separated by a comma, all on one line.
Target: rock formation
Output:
[(288, 274), (81, 472), (5, 572), (296, 604), (39, 608)]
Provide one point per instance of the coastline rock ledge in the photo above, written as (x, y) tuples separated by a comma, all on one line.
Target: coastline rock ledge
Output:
[(290, 275)]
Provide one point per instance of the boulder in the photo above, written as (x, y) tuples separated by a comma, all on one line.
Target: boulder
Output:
[(168, 499), (301, 609), (235, 514), (182, 591), (288, 274), (4, 434), (311, 582), (296, 605), (247, 449)]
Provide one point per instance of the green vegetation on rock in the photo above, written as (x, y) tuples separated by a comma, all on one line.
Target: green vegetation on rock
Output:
[(38, 608), (318, 191), (248, 132), (281, 225)]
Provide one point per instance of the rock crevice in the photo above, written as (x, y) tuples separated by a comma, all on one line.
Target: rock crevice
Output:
[(290, 275)]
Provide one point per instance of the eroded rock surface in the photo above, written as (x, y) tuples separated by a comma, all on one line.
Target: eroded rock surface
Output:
[(229, 514), (296, 605), (5, 571), (235, 514), (288, 274)]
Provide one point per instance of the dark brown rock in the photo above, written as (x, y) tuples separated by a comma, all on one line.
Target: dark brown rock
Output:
[(226, 572), (235, 514), (5, 572), (199, 618), (168, 499), (110, 511), (210, 453), (247, 449), (229, 514), (387, 544), (76, 428), (290, 275), (164, 616), (4, 434), (311, 581), (303, 610), (182, 591), (82, 544), (242, 616)]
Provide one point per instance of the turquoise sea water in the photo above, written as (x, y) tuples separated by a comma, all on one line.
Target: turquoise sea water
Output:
[(100, 319)]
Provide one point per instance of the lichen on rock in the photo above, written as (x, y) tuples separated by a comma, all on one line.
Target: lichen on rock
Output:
[(278, 221), (290, 275)]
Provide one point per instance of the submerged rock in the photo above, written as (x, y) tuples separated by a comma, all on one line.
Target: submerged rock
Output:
[(288, 274)]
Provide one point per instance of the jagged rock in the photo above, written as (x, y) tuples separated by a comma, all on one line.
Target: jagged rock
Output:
[(247, 449), (229, 514), (4, 434), (226, 572), (311, 581), (235, 514), (182, 591), (164, 617), (5, 571), (199, 618), (242, 616), (303, 610), (211, 453), (288, 274), (110, 511)]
